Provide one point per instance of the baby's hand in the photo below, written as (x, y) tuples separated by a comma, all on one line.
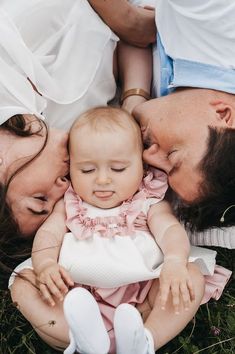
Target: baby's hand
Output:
[(54, 282), (175, 279)]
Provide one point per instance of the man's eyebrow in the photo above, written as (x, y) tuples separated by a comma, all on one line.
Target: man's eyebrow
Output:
[(147, 141), (42, 212)]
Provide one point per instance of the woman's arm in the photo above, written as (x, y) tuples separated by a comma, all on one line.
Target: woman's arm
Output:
[(132, 24), (135, 72)]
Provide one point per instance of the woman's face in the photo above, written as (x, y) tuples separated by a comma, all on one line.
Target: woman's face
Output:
[(33, 192)]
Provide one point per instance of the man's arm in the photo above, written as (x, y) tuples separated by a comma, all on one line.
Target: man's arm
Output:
[(132, 24)]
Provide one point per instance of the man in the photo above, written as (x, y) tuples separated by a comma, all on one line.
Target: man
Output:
[(190, 131)]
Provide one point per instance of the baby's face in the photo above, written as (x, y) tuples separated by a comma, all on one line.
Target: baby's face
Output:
[(105, 167)]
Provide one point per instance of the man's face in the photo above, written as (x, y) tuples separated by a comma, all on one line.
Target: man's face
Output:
[(175, 137)]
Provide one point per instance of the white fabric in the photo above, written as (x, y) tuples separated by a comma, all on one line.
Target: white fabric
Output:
[(130, 335), (87, 330), (214, 237), (120, 260), (201, 30), (66, 51), (143, 2)]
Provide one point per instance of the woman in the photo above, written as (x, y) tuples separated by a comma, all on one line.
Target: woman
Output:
[(39, 74), (33, 81)]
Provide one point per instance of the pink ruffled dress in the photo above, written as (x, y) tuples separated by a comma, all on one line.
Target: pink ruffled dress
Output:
[(112, 253)]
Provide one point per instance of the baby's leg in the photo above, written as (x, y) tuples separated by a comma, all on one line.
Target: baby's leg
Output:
[(165, 324), (47, 321), (87, 329)]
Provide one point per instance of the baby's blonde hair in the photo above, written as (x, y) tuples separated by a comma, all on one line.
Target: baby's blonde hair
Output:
[(101, 119)]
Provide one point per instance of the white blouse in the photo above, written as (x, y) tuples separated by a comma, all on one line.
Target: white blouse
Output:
[(66, 51)]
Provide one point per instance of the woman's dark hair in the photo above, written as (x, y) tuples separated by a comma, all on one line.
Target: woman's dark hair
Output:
[(218, 187), (14, 248)]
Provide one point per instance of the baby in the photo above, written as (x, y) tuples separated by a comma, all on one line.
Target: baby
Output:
[(121, 230)]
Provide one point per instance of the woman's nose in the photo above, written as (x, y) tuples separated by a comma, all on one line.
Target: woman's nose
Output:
[(62, 183)]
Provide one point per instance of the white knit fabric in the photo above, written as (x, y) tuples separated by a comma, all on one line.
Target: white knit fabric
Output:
[(214, 237)]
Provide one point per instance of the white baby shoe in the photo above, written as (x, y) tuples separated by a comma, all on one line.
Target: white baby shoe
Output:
[(130, 334), (87, 333)]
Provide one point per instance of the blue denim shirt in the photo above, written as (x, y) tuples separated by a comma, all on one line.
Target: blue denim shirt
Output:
[(186, 73)]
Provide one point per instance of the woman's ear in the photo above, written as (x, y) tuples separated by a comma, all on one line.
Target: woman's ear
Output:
[(225, 113)]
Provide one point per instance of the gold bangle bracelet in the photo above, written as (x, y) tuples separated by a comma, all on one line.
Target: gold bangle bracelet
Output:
[(135, 92)]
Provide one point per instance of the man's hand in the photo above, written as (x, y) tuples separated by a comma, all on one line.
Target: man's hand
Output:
[(134, 25), (143, 31)]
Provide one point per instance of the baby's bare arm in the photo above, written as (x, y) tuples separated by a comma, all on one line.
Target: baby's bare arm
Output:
[(53, 279), (173, 240), (48, 239)]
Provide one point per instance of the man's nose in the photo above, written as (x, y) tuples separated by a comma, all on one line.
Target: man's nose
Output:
[(155, 157)]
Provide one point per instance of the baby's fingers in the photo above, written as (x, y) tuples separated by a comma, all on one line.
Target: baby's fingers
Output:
[(185, 295), (46, 295), (66, 277), (57, 286), (164, 292), (191, 289), (175, 296)]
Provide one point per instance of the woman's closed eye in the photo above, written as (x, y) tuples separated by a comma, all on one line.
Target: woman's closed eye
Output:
[(37, 205), (41, 212)]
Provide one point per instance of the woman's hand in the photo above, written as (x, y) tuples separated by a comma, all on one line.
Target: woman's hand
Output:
[(131, 102), (54, 282), (175, 279)]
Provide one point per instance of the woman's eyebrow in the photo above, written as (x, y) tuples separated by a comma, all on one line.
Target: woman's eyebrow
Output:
[(42, 212)]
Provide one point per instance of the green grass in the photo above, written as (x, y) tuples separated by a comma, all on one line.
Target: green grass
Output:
[(212, 331)]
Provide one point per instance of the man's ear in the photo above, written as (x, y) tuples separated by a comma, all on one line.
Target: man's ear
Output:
[(225, 113)]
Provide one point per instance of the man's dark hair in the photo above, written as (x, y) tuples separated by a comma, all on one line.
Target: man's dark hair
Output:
[(218, 188)]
